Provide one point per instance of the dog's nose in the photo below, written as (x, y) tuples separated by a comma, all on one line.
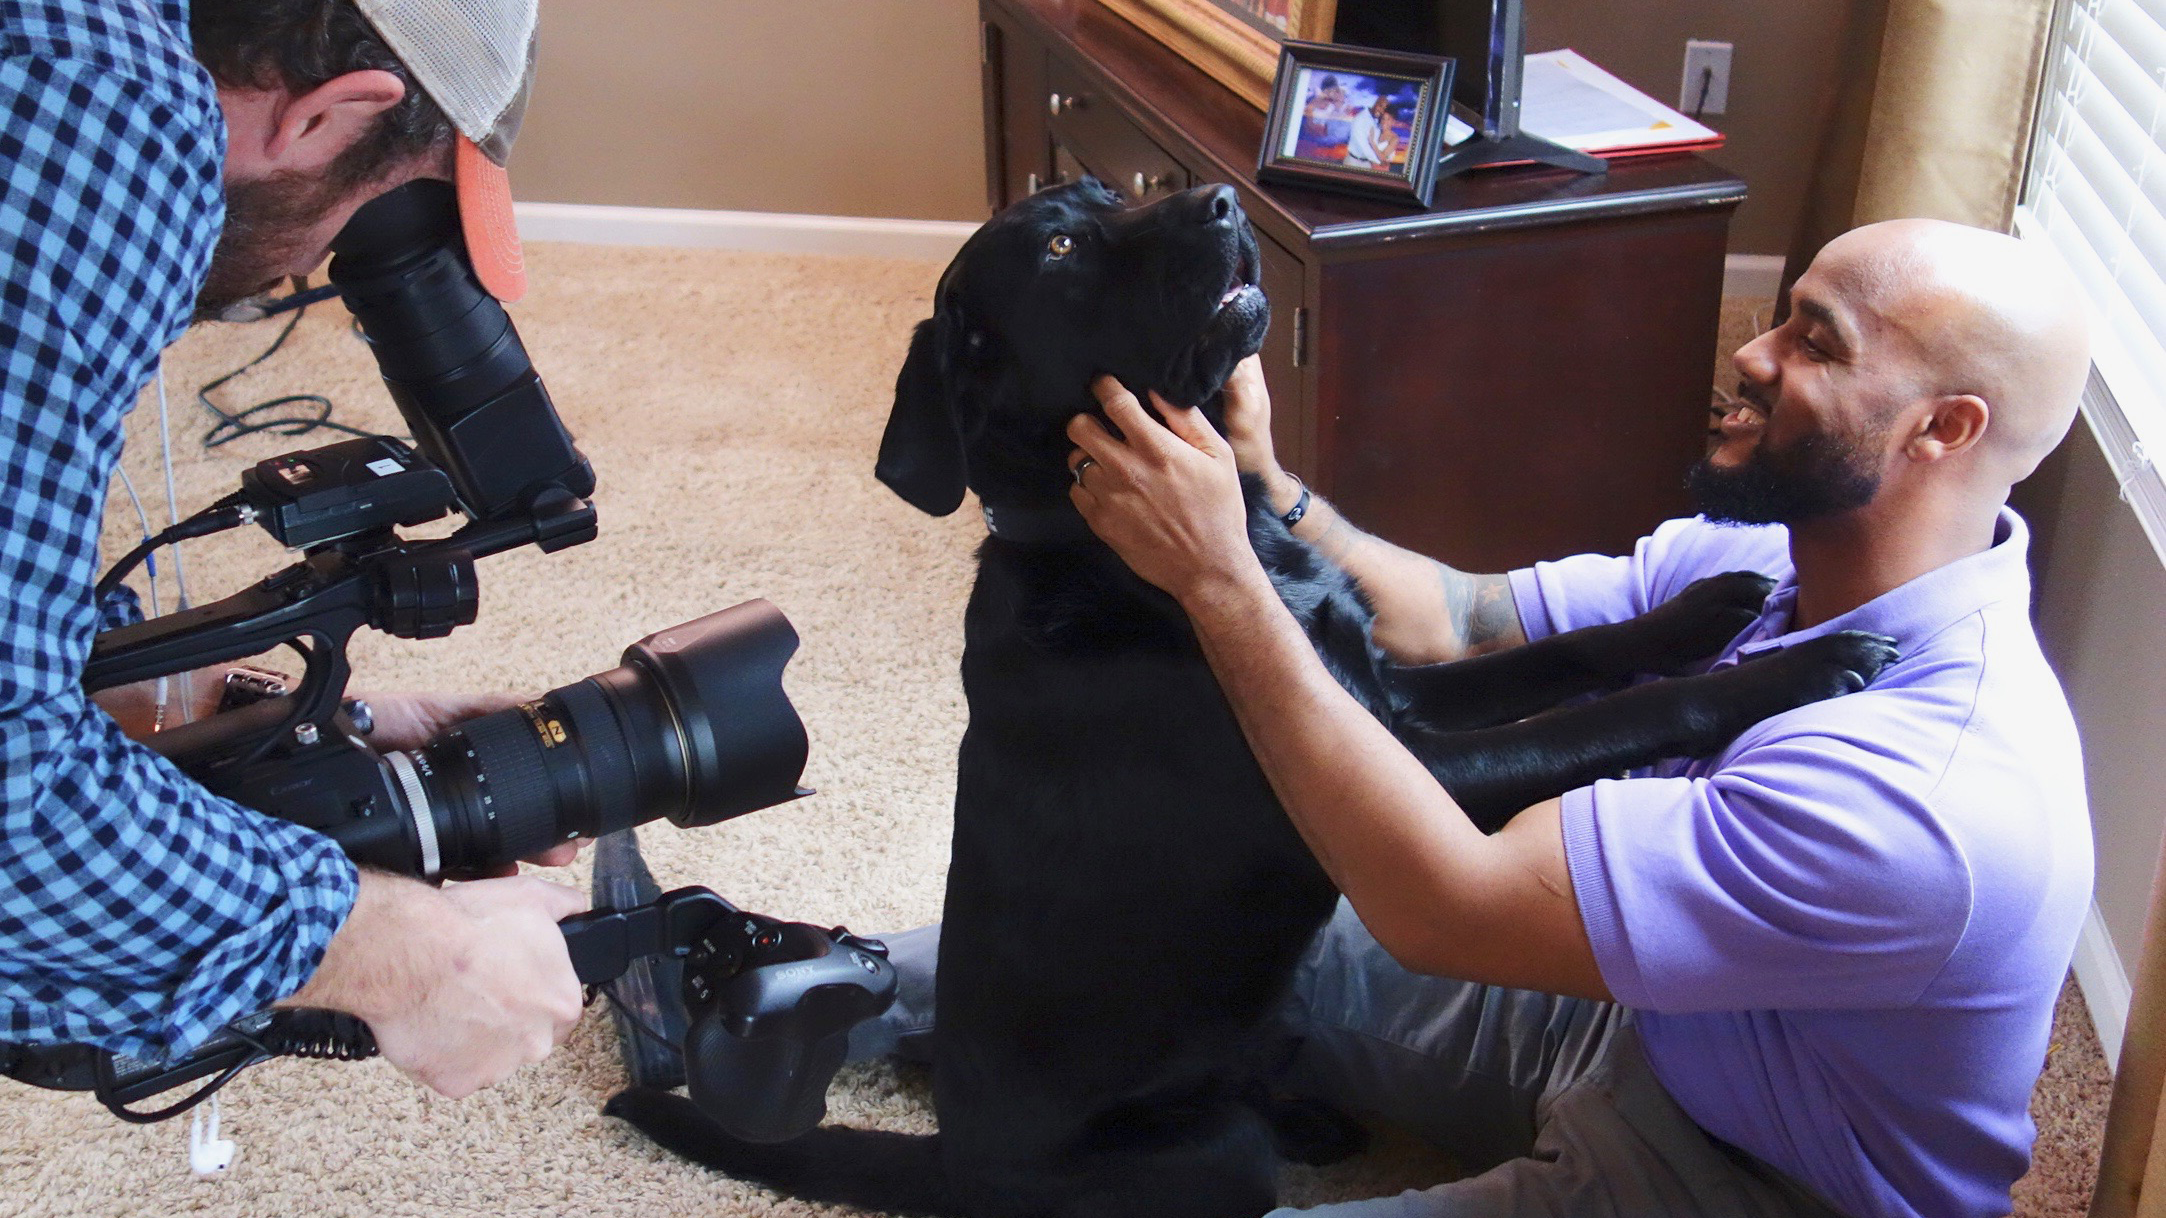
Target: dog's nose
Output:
[(1216, 206)]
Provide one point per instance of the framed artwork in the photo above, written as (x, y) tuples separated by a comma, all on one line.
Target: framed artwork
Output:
[(1235, 41), (1356, 120)]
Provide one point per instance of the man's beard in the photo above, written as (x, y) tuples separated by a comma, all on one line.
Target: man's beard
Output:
[(269, 222), (1819, 475)]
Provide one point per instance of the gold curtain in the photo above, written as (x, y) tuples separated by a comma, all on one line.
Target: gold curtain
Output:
[(1931, 116)]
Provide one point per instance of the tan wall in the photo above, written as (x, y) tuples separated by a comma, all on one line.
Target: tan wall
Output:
[(830, 107), (681, 103), (2098, 615), (1782, 79)]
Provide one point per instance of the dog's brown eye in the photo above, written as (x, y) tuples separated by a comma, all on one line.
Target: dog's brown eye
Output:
[(1060, 246)]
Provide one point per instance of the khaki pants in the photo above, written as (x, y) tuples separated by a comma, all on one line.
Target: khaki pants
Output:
[(1547, 1100)]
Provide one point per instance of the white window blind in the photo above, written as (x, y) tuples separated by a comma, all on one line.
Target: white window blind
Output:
[(2096, 191)]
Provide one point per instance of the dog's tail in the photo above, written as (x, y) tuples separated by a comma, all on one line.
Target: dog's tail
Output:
[(893, 1173)]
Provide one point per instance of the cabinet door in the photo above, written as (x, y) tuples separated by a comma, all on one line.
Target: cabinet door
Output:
[(1018, 144), (1291, 427)]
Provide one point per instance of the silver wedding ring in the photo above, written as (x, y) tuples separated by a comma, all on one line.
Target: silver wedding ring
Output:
[(1077, 470)]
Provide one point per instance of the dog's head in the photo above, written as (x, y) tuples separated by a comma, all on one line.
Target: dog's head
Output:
[(1051, 292)]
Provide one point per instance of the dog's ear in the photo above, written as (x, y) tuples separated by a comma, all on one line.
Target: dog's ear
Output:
[(921, 453)]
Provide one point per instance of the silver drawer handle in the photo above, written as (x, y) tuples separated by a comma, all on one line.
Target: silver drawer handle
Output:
[(1059, 105), (1145, 185)]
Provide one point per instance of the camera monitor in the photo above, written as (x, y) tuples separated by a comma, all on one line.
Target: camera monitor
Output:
[(1488, 38)]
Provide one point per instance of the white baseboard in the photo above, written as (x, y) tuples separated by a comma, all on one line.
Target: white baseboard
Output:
[(932, 240), (2105, 984), (769, 232), (1742, 274)]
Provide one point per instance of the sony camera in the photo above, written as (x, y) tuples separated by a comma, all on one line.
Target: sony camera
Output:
[(693, 725)]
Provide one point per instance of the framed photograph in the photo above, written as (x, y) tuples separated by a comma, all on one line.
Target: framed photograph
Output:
[(1356, 120), (1235, 41)]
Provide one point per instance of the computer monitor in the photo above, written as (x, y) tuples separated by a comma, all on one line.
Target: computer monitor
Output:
[(1488, 38)]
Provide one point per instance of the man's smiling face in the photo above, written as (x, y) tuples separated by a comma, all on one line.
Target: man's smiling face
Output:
[(1818, 397)]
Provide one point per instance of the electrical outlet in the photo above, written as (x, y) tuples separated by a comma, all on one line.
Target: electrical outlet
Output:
[(1707, 65)]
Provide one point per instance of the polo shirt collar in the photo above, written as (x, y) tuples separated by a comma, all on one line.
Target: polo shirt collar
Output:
[(1919, 609)]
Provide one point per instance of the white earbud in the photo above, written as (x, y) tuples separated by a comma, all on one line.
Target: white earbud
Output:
[(209, 1156)]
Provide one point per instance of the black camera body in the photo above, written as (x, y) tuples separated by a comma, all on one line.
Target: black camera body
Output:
[(693, 725)]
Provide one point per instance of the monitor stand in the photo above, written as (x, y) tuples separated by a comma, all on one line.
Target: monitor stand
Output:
[(1479, 149)]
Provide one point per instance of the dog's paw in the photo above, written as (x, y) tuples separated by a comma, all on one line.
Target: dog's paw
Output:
[(1698, 621), (1721, 705), (1837, 664)]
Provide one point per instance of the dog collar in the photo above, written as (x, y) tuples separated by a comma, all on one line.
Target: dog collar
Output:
[(1058, 525)]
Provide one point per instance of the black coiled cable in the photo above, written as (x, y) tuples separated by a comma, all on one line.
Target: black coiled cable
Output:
[(322, 1035), (303, 1032)]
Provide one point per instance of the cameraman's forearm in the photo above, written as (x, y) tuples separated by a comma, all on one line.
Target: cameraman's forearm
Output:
[(1426, 612), (189, 696), (385, 957)]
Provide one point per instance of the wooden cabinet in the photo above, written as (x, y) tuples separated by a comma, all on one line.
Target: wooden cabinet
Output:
[(1517, 373)]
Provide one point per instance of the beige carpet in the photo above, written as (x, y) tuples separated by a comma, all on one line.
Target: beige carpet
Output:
[(731, 404)]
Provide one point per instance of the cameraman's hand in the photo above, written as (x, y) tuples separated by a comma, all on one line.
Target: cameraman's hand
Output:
[(1248, 432), (407, 721), (460, 986)]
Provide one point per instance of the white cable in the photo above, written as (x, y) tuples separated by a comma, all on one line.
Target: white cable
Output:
[(186, 680), (143, 519), (172, 500)]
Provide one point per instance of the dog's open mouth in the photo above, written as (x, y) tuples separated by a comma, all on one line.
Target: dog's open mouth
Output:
[(1236, 292), (1243, 279), (1233, 328), (1241, 303)]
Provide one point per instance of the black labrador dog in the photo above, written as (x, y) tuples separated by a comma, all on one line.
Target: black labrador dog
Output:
[(1126, 900)]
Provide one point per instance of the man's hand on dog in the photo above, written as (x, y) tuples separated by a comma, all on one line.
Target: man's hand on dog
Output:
[(1166, 497), (1248, 430)]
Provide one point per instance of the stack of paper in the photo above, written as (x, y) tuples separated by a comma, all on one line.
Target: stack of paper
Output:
[(1565, 98)]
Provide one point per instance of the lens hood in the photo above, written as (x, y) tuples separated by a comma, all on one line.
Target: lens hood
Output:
[(721, 676)]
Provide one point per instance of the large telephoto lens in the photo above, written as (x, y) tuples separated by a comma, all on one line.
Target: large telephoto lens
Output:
[(693, 726)]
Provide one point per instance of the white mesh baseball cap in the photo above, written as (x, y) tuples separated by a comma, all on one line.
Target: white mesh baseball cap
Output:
[(475, 60)]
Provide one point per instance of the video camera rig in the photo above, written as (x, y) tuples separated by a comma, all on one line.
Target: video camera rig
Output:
[(693, 725)]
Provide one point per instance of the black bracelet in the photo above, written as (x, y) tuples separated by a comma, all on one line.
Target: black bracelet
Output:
[(1301, 506)]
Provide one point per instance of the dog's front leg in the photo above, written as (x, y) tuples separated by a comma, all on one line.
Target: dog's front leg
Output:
[(1486, 690), (1493, 773)]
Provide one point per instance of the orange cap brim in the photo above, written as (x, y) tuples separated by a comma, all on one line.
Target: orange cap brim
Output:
[(492, 236)]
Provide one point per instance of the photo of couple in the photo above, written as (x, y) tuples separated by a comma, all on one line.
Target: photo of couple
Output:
[(1352, 120)]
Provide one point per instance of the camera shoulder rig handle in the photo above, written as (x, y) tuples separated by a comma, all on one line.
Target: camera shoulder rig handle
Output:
[(605, 942)]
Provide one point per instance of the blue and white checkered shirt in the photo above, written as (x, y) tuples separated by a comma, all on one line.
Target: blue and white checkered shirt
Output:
[(137, 910)]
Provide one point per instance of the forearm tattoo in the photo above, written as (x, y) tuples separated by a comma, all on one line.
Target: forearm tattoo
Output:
[(1495, 616), (1479, 607)]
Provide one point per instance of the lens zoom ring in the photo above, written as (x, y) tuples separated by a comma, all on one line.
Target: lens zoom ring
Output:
[(509, 769), (612, 770)]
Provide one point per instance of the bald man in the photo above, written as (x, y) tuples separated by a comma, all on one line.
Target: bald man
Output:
[(1813, 975)]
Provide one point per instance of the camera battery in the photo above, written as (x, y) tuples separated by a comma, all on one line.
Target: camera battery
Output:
[(307, 498)]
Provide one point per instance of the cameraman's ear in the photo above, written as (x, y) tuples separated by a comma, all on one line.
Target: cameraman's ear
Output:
[(273, 131), (921, 453)]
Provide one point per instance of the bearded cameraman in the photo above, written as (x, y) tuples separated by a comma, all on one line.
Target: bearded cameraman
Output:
[(165, 161)]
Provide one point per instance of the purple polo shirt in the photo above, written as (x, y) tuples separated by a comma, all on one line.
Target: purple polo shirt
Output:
[(1844, 936)]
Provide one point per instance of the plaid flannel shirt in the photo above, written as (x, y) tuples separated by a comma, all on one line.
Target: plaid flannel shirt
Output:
[(137, 911)]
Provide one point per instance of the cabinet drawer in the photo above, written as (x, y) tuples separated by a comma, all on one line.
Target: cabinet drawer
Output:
[(1099, 135)]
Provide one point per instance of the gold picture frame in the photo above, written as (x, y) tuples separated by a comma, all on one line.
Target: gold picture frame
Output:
[(1236, 42)]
